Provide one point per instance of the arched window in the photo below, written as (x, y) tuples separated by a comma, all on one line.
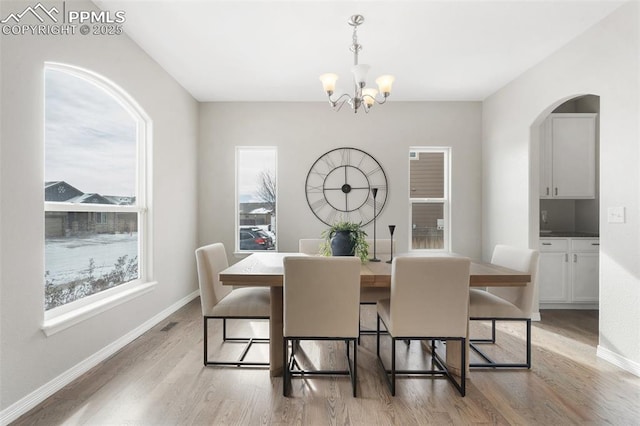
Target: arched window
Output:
[(95, 203)]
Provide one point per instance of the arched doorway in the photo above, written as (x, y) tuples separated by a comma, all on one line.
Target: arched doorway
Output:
[(565, 227)]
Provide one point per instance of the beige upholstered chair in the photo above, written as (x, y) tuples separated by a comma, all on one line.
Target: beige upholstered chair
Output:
[(310, 245), (321, 301), (221, 302), (368, 295), (429, 301), (505, 303)]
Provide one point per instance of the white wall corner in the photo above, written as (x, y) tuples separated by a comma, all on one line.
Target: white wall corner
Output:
[(618, 360)]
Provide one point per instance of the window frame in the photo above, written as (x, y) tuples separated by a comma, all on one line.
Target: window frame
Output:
[(236, 237), (445, 200), (61, 317)]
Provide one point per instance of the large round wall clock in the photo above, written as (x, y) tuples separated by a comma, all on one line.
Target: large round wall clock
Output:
[(341, 185)]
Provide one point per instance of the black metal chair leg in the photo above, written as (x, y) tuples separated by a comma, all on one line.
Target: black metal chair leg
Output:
[(393, 366), (247, 341), (285, 364), (205, 340), (490, 363), (463, 367)]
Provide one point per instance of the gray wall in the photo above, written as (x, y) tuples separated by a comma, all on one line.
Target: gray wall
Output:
[(304, 131), (31, 362)]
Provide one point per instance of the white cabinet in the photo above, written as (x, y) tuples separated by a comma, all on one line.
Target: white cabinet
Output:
[(585, 258), (568, 271), (568, 156), (553, 271)]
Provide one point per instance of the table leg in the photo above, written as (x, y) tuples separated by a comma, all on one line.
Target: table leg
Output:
[(275, 333), (454, 354)]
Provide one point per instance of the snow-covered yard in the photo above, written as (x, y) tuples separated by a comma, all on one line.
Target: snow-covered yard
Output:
[(67, 259)]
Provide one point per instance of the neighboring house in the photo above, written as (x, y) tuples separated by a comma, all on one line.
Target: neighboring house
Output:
[(63, 224), (60, 191), (255, 213)]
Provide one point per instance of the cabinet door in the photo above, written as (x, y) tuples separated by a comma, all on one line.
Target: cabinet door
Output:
[(584, 277), (553, 283), (546, 151), (574, 150)]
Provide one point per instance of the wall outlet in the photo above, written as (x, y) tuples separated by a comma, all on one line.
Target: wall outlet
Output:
[(615, 215)]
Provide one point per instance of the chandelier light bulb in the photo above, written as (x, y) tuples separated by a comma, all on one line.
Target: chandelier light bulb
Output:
[(384, 83), (369, 96), (360, 74), (329, 82)]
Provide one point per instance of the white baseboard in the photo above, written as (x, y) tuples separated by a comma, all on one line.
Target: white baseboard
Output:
[(619, 361), (25, 404)]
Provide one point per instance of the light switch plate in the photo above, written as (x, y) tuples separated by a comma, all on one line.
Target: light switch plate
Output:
[(615, 215)]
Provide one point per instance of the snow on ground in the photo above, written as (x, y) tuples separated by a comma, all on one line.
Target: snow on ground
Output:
[(67, 258)]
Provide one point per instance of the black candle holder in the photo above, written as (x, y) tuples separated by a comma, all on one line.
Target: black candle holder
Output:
[(391, 229), (374, 193)]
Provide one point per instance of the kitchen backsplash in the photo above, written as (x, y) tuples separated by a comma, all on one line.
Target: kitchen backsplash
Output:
[(570, 215)]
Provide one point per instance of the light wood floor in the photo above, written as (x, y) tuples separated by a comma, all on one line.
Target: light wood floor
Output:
[(159, 380)]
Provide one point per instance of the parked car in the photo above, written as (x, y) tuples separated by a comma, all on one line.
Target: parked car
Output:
[(253, 238)]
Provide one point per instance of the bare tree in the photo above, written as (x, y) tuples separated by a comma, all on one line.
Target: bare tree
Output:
[(267, 189)]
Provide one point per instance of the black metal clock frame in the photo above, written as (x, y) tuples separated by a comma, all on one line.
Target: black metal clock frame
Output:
[(350, 172)]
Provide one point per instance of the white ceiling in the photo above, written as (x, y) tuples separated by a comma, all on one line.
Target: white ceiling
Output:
[(275, 50)]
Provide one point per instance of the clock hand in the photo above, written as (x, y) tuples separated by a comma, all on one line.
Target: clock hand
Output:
[(350, 187)]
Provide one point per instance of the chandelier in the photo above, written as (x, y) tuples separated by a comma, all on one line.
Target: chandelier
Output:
[(363, 96)]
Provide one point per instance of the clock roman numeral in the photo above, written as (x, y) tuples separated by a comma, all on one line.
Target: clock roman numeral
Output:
[(346, 157), (329, 162), (331, 217), (318, 204), (364, 217), (374, 171), (316, 189)]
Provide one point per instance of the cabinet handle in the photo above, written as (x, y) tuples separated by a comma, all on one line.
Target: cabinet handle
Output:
[(556, 191), (566, 257), (595, 244), (546, 244), (547, 190), (575, 258)]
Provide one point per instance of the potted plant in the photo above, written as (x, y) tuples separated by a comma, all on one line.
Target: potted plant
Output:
[(345, 239)]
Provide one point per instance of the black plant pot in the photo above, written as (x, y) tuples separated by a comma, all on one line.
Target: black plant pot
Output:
[(342, 244)]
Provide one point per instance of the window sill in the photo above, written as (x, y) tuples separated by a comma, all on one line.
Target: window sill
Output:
[(61, 322)]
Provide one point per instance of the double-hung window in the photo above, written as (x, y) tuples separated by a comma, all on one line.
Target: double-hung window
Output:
[(95, 204), (429, 196)]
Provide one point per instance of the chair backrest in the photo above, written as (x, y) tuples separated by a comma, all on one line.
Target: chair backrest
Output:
[(382, 246), (211, 260), (520, 259), (429, 296), (321, 296), (310, 245)]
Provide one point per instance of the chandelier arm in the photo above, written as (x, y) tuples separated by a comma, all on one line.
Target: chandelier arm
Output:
[(375, 99), (384, 99), (343, 99), (344, 95), (339, 106)]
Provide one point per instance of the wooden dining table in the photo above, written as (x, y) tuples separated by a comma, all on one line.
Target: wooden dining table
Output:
[(266, 269)]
